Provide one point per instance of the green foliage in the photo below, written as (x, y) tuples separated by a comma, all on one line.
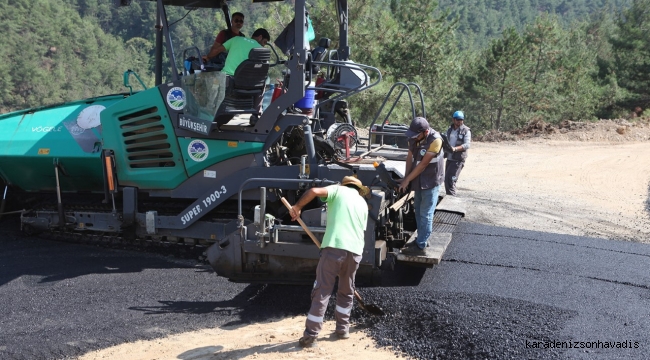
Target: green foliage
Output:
[(579, 94), (499, 82), (51, 55), (409, 43), (480, 21), (503, 62), (546, 72), (631, 49)]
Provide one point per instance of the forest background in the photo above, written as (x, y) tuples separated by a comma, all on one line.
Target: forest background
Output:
[(505, 63)]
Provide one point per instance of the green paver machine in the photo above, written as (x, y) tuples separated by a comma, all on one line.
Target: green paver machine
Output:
[(160, 165)]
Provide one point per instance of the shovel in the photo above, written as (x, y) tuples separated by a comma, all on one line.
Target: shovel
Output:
[(370, 308)]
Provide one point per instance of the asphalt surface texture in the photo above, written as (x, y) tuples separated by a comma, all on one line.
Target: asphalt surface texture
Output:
[(498, 294)]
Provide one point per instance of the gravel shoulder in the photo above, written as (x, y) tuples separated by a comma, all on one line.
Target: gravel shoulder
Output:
[(578, 188)]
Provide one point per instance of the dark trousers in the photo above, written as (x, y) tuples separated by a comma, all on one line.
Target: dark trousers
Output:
[(333, 262), (452, 172)]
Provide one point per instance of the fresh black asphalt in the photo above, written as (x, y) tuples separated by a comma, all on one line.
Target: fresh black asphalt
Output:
[(498, 293)]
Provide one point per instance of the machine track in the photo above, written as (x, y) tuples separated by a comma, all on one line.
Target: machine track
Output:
[(177, 247), (180, 250)]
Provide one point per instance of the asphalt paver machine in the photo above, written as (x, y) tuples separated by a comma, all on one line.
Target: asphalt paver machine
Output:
[(186, 162)]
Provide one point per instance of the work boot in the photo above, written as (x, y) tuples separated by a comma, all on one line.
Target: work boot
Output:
[(413, 250), (410, 245), (307, 342), (343, 335)]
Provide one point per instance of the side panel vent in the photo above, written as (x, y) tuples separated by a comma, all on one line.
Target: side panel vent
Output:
[(146, 143)]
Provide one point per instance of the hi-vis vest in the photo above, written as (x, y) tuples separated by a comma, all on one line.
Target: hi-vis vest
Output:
[(434, 174), (459, 155)]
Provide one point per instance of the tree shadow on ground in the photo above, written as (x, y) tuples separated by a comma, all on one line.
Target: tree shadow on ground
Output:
[(205, 352), (262, 303), (255, 303), (209, 352)]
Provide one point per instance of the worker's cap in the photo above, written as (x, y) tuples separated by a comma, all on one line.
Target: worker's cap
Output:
[(351, 180), (418, 125)]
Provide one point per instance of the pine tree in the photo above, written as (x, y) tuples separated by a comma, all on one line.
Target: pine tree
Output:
[(631, 46), (498, 80)]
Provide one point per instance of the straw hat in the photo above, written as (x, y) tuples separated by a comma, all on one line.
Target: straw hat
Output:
[(351, 180)]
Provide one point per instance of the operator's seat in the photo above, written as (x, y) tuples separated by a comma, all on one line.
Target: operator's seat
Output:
[(319, 53), (244, 90)]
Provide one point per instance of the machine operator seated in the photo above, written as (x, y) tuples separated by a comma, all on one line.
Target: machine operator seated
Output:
[(237, 22), (239, 49)]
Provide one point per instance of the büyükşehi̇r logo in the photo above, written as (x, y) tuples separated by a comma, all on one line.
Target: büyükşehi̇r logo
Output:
[(176, 98), (198, 150)]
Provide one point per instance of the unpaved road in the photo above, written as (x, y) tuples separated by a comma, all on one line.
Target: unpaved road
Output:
[(577, 188), (580, 188)]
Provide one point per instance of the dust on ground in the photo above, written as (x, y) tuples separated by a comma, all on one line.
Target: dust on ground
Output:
[(588, 179)]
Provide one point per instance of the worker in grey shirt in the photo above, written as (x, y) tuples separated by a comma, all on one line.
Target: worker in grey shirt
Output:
[(460, 138)]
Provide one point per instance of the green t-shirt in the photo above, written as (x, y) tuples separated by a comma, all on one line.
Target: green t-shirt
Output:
[(347, 217), (238, 48)]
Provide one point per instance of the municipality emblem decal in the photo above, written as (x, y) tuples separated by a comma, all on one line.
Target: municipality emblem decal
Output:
[(176, 98), (198, 150)]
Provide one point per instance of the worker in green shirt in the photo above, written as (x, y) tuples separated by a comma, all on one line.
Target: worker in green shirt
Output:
[(341, 250), (238, 48)]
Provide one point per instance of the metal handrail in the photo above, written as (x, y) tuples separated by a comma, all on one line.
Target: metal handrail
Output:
[(405, 87), (344, 93), (278, 61), (127, 83), (274, 180)]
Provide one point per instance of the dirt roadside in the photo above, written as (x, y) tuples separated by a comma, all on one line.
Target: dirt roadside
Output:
[(587, 179), (592, 181), (588, 189)]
